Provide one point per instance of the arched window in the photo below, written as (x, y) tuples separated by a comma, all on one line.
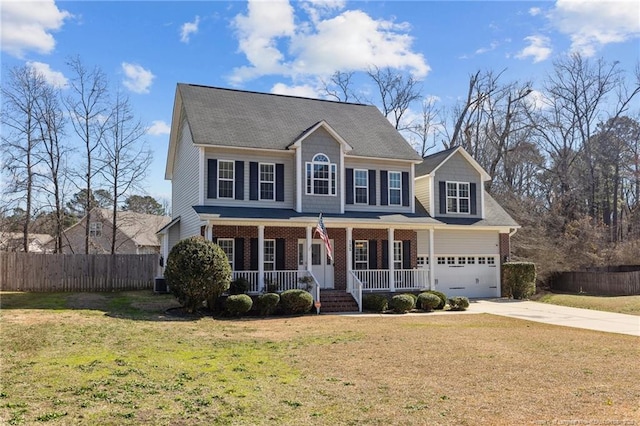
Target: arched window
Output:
[(321, 176)]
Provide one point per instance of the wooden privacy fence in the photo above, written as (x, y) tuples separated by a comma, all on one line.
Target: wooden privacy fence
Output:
[(77, 272), (601, 283)]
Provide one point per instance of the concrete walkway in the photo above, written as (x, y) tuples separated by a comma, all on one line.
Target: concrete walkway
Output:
[(559, 315)]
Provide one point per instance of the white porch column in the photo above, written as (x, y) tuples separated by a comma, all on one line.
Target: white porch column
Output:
[(348, 251), (308, 247), (392, 284), (432, 261), (208, 232), (261, 258)]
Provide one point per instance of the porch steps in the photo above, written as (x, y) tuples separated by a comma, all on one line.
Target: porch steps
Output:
[(337, 301)]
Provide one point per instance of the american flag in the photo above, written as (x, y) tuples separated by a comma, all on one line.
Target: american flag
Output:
[(320, 229)]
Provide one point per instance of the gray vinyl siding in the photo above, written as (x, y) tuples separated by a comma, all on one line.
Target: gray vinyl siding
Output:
[(423, 193), (465, 241), (174, 235), (320, 142), (184, 185), (287, 158), (458, 169), (390, 166), (423, 243)]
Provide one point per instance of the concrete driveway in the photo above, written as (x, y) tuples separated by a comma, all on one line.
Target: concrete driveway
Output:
[(559, 315)]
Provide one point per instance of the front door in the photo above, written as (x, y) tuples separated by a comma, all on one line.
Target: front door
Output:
[(321, 265)]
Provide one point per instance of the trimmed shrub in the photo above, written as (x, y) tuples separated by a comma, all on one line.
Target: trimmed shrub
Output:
[(375, 303), (401, 303), (518, 279), (267, 303), (415, 299), (238, 304), (296, 301), (441, 295), (458, 303), (239, 286), (197, 271), (428, 301)]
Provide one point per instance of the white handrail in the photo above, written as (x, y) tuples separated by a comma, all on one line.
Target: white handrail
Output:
[(354, 281)]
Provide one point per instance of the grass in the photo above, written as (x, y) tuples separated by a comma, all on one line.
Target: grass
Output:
[(117, 359), (621, 304)]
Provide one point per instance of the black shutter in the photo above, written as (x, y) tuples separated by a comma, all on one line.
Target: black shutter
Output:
[(238, 254), (253, 180), (442, 186), (406, 254), (372, 187), (373, 254), (405, 189), (349, 186), (385, 254), (384, 191), (212, 177), (239, 174), (280, 254), (472, 200), (279, 182), (253, 261), (214, 240)]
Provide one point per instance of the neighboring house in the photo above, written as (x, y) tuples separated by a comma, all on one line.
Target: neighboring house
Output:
[(253, 171), (135, 233), (13, 241)]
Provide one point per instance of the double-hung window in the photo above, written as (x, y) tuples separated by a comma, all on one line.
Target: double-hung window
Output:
[(395, 188), (269, 255), (361, 185), (267, 181), (226, 244), (321, 176), (95, 229), (225, 179), (458, 197), (361, 254), (397, 255)]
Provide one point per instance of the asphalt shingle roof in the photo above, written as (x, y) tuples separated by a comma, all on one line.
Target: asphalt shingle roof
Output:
[(432, 161)]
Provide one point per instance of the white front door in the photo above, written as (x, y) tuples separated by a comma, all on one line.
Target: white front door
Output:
[(321, 265)]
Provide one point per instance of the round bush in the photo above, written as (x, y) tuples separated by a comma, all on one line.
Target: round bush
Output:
[(239, 286), (238, 304), (442, 296), (296, 301), (458, 303), (428, 301), (267, 303), (375, 303), (414, 297), (401, 303), (197, 271)]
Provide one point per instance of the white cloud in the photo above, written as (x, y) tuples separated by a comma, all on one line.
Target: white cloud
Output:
[(276, 43), (305, 90), (27, 26), (593, 24), (537, 100), (189, 28), (158, 128), (538, 48), (535, 11), (54, 78), (492, 46), (137, 79)]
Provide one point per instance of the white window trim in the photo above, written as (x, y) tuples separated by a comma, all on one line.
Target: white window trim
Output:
[(356, 186), (397, 244), (264, 247), (95, 229), (366, 261), (457, 197), (399, 189), (233, 180), (233, 249), (260, 181), (310, 189)]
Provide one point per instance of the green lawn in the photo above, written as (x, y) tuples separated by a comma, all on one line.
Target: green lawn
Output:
[(118, 358), (620, 304)]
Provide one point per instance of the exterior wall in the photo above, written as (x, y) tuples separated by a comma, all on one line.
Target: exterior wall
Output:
[(423, 191), (287, 158), (391, 166), (423, 242), (505, 248), (174, 236), (321, 142), (457, 169), (184, 185), (465, 242), (73, 240)]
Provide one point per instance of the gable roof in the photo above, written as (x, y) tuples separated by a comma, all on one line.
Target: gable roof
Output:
[(140, 227), (235, 118), (433, 162)]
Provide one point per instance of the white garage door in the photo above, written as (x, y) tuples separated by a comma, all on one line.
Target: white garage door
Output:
[(469, 276)]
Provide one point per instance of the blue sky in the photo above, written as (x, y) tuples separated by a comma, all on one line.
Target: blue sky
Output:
[(147, 47)]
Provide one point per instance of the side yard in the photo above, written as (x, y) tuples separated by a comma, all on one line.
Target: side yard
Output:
[(621, 304), (117, 358)]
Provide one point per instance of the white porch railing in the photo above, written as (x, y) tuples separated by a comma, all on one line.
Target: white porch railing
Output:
[(354, 287), (276, 281), (404, 279)]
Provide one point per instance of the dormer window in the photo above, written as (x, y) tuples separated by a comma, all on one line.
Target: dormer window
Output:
[(321, 176), (458, 197)]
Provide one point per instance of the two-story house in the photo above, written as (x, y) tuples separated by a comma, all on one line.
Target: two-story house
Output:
[(254, 171)]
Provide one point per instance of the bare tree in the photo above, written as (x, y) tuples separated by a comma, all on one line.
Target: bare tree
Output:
[(125, 158), (426, 128), (89, 114), (396, 91), (339, 87)]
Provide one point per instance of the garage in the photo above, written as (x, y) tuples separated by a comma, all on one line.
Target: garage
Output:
[(472, 276)]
